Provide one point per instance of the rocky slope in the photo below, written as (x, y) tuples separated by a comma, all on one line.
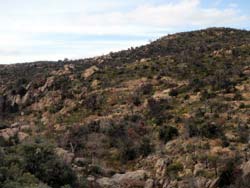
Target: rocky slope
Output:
[(174, 113)]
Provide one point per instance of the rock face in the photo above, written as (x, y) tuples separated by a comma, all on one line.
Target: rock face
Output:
[(107, 183), (22, 136), (129, 179), (197, 168), (8, 133), (149, 183), (246, 168), (90, 71), (160, 167), (65, 155), (48, 83)]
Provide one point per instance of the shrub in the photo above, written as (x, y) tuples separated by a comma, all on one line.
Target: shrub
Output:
[(167, 133), (127, 152), (173, 93), (200, 128), (146, 147), (39, 159), (174, 168)]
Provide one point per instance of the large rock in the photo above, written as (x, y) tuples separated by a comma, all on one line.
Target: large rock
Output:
[(198, 168), (160, 167), (65, 155), (246, 168), (135, 175), (90, 71), (8, 133), (214, 183), (129, 179), (22, 136), (82, 161), (149, 183), (50, 81), (107, 183)]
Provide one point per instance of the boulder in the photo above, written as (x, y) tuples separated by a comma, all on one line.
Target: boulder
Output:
[(82, 161), (197, 168), (48, 83), (135, 175), (160, 167), (149, 183), (246, 168), (201, 182), (95, 84), (15, 125), (214, 183), (90, 71), (107, 183), (65, 155), (8, 133), (22, 136), (129, 179)]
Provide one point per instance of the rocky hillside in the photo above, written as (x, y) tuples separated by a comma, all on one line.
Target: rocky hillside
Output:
[(171, 114)]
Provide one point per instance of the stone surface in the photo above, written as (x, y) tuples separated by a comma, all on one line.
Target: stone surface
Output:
[(197, 168), (246, 168), (160, 167), (65, 155), (149, 183), (90, 71), (8, 133), (22, 136)]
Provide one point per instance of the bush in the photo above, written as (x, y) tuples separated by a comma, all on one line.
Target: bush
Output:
[(145, 148), (127, 152), (167, 133), (174, 168), (203, 129), (39, 159)]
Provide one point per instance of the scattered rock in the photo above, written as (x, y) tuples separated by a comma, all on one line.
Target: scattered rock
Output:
[(8, 133)]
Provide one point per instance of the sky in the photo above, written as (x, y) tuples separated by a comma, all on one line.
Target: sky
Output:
[(34, 30)]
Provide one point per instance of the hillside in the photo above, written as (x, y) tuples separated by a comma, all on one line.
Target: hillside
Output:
[(173, 113)]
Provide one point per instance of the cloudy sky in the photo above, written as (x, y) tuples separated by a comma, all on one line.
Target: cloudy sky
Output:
[(34, 30)]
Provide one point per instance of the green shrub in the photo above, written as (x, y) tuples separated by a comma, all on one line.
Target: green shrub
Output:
[(146, 147), (39, 159), (174, 168), (167, 133), (127, 152)]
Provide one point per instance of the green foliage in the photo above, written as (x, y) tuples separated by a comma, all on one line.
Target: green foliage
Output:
[(146, 147), (174, 168), (127, 152), (28, 164), (199, 127), (167, 133)]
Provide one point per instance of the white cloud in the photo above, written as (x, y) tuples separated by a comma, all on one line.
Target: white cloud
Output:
[(22, 22)]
